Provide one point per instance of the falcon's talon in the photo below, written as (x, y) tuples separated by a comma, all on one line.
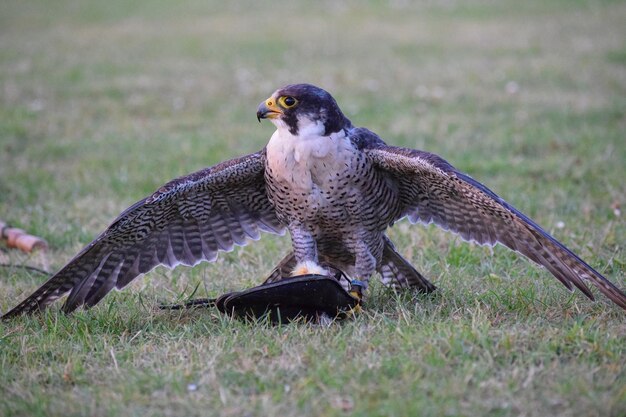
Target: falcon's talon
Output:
[(356, 291), (357, 294)]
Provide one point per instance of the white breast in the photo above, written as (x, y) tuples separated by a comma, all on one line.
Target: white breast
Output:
[(306, 162)]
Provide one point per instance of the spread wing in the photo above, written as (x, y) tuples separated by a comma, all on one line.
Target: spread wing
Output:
[(432, 190), (187, 221)]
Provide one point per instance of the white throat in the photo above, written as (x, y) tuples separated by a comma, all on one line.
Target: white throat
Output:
[(308, 157), (306, 127)]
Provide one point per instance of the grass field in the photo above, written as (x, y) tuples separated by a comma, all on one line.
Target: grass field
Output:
[(102, 102)]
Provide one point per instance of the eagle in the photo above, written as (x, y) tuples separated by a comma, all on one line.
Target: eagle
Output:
[(335, 188)]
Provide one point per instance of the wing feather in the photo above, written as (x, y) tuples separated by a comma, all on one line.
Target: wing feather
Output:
[(187, 221), (434, 191)]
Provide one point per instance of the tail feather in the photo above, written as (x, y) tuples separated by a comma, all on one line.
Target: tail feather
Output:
[(283, 269), (395, 270)]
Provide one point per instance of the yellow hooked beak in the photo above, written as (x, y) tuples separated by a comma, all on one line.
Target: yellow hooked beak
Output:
[(268, 109)]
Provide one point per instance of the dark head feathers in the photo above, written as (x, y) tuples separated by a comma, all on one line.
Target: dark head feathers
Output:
[(316, 104)]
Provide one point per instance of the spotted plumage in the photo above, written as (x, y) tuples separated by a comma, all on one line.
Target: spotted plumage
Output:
[(335, 188)]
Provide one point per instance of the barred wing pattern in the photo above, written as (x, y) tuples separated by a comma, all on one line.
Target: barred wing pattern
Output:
[(433, 191), (186, 221)]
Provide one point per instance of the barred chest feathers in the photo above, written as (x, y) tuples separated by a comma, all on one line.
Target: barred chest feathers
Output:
[(309, 168)]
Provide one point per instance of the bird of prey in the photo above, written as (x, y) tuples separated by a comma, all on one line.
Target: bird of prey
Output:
[(334, 187)]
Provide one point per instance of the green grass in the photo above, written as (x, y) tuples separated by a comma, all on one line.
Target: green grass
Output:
[(102, 102)]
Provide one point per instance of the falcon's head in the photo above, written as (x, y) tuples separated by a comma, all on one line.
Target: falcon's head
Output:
[(303, 107)]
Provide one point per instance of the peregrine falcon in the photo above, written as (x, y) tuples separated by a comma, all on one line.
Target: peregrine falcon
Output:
[(334, 187)]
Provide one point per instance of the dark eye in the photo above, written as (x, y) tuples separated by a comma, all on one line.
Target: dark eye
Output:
[(287, 101)]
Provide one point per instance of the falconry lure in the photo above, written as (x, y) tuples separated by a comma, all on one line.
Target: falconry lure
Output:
[(334, 187)]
